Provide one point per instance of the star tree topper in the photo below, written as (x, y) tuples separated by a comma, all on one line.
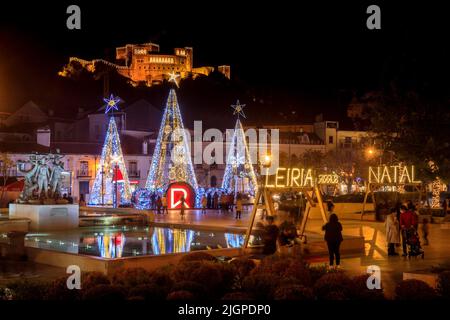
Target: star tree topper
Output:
[(238, 109), (111, 103), (173, 78)]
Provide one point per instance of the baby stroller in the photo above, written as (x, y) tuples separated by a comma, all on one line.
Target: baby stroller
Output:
[(413, 242)]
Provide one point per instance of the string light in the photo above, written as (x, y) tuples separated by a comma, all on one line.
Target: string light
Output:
[(171, 161), (239, 164), (102, 192), (436, 193)]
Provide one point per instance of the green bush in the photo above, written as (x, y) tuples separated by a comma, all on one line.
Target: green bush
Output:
[(332, 286), (242, 267), (180, 295), (359, 290), (294, 292), (218, 278), (414, 290), (197, 256), (27, 290), (316, 272), (443, 286), (198, 290), (131, 277), (261, 286), (92, 279), (57, 290), (162, 277), (147, 292), (235, 296), (286, 266), (105, 292)]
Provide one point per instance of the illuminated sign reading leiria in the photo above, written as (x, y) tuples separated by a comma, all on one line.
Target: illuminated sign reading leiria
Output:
[(291, 178), (392, 174)]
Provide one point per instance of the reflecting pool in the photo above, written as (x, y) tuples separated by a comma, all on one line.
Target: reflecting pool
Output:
[(129, 241)]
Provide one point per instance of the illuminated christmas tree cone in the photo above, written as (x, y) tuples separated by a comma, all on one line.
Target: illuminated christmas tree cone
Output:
[(171, 161), (111, 169), (239, 174)]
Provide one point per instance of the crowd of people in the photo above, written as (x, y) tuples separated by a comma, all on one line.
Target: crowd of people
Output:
[(224, 201)]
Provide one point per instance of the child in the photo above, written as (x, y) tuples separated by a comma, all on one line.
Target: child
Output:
[(425, 231), (204, 204)]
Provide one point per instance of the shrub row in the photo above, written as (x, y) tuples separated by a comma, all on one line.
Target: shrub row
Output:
[(201, 276)]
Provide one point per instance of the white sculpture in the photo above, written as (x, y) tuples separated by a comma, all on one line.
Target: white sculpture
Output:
[(42, 181)]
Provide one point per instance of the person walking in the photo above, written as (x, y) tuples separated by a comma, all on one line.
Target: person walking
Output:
[(392, 232), (425, 231), (164, 204), (183, 201), (333, 237), (238, 206), (204, 204)]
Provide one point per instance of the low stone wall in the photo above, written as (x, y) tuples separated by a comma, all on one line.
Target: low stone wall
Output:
[(109, 266), (8, 225)]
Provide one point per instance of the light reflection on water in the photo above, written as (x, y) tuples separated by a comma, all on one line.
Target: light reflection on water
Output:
[(118, 242)]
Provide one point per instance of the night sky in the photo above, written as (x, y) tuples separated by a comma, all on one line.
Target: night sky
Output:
[(293, 56)]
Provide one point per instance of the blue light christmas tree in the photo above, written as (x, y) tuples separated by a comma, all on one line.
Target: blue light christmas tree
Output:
[(171, 161), (111, 174), (239, 174)]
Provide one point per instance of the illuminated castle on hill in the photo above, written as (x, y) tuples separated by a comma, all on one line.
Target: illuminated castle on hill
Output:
[(143, 63)]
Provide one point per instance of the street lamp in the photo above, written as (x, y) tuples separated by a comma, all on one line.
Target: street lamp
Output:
[(267, 161)]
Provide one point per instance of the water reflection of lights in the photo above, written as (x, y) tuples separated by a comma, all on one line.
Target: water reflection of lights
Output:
[(171, 241), (234, 240), (110, 245)]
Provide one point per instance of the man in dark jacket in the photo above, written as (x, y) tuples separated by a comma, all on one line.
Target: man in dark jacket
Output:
[(270, 236), (333, 237)]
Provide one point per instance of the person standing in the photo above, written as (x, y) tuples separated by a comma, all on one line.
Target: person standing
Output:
[(238, 206), (445, 206), (333, 237), (183, 201), (392, 232), (158, 205), (270, 236), (209, 200), (204, 204), (153, 200), (215, 201), (406, 222), (164, 204)]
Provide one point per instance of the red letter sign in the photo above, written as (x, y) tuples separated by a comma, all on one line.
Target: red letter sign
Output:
[(178, 190)]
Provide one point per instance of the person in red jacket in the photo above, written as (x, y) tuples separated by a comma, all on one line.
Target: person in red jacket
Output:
[(407, 220)]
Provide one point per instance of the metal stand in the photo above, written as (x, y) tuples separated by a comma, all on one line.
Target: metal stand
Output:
[(267, 204)]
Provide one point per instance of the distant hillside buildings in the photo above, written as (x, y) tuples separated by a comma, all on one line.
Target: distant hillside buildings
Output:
[(145, 64)]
